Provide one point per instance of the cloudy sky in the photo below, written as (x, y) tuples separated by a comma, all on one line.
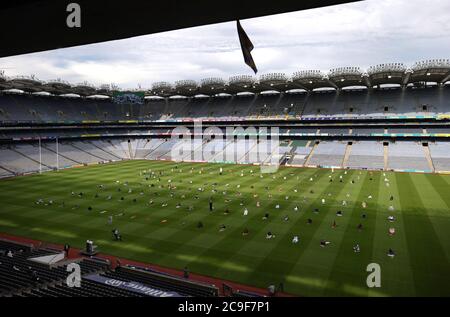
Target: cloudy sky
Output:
[(359, 34)]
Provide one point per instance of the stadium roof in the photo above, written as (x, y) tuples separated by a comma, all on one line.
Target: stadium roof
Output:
[(38, 25), (437, 71)]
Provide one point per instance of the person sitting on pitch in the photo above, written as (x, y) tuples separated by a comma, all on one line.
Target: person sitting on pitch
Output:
[(245, 232), (391, 218), (295, 240), (324, 243), (222, 228), (334, 224), (116, 234), (266, 216), (356, 248), (339, 213), (269, 235), (316, 210), (391, 253), (309, 221), (364, 216), (296, 208), (200, 225), (360, 226), (178, 205), (286, 218), (391, 231), (226, 212), (277, 206), (245, 212)]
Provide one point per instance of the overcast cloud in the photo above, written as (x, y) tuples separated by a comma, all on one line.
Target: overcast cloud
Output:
[(358, 34)]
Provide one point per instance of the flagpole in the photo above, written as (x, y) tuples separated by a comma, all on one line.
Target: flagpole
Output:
[(57, 155), (40, 157)]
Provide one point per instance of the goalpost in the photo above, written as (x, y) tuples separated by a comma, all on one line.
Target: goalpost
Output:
[(57, 155), (40, 157)]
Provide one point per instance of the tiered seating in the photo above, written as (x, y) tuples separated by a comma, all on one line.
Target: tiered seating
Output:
[(328, 154), (164, 282), (407, 155), (163, 151), (366, 154), (15, 162), (300, 153), (440, 154)]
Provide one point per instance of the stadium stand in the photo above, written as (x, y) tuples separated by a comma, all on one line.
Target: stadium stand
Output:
[(328, 154), (366, 155), (22, 277), (407, 155), (92, 130), (440, 152)]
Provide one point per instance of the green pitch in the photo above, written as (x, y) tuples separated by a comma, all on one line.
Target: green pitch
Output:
[(154, 230)]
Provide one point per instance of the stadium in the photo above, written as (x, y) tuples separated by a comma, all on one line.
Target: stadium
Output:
[(250, 186)]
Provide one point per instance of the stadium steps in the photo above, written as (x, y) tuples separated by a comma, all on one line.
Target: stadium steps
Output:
[(291, 153), (62, 155), (82, 150), (29, 158), (305, 103), (107, 152), (222, 151), (426, 149), (348, 151), (153, 150), (242, 159), (8, 170), (130, 150), (119, 148), (386, 155), (310, 154), (188, 157)]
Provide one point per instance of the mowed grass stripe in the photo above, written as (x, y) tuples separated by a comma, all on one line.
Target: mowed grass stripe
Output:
[(348, 274), (424, 245), (310, 273), (244, 258), (208, 258)]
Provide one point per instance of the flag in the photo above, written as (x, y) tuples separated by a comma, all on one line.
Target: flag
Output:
[(246, 46)]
